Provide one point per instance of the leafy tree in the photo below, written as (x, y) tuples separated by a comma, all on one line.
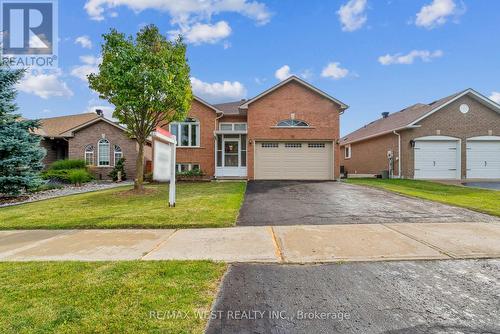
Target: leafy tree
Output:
[(147, 80), (20, 152)]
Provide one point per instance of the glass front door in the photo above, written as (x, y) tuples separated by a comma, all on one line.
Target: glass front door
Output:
[(231, 153)]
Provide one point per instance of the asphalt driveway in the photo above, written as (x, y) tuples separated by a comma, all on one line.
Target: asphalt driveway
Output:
[(318, 203), (384, 297)]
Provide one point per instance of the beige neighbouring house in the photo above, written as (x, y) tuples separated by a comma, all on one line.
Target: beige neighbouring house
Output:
[(453, 138)]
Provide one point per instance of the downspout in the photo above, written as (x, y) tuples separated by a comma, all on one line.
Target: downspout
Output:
[(215, 143), (399, 153)]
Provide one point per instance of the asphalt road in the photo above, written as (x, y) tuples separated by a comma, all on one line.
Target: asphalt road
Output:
[(455, 296), (316, 203)]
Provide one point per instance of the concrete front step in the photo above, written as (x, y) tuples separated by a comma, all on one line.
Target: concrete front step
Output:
[(278, 244)]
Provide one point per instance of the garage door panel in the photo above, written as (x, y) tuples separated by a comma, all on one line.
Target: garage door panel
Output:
[(293, 163), (436, 159), (483, 159)]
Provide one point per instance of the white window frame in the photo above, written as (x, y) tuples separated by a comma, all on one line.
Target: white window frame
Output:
[(190, 129), (233, 126), (99, 152), (189, 165), (347, 149), (89, 152), (292, 126), (115, 152)]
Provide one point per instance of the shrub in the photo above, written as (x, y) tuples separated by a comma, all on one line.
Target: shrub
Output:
[(148, 177), (79, 176), (193, 172), (75, 176), (119, 167), (68, 164)]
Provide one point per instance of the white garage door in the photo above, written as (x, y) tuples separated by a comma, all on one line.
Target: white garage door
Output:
[(293, 161), (483, 159), (437, 159)]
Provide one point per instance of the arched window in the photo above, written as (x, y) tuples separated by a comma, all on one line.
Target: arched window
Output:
[(187, 133), (89, 154), (118, 153), (103, 152), (292, 123)]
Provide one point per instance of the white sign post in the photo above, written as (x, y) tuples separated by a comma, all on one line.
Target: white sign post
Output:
[(164, 145)]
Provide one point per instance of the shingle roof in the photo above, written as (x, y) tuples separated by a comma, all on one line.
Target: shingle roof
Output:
[(57, 126), (231, 108), (395, 121)]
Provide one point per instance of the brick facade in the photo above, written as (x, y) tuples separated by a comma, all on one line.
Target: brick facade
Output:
[(91, 135), (56, 149), (369, 156), (319, 112), (449, 121), (205, 154), (262, 116)]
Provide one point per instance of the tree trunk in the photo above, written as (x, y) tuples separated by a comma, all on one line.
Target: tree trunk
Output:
[(139, 174)]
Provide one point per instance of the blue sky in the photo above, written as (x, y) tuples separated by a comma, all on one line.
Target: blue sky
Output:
[(373, 55)]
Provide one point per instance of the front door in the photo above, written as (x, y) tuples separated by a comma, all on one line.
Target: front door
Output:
[(231, 153)]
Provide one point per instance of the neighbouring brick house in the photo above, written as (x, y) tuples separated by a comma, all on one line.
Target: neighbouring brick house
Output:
[(91, 137), (456, 137), (290, 131)]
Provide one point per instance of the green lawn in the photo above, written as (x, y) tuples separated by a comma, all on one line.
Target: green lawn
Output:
[(107, 297), (207, 204), (482, 200)]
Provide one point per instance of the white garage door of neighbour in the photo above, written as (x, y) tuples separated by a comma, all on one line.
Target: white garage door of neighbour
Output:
[(437, 159), (293, 161), (483, 159)]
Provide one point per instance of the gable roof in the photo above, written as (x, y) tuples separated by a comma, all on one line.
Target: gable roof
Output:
[(408, 117), (342, 105), (70, 132), (65, 126), (205, 103), (231, 108), (57, 126)]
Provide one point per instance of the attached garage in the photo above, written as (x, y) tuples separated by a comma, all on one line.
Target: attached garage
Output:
[(293, 160), (437, 157), (483, 157)]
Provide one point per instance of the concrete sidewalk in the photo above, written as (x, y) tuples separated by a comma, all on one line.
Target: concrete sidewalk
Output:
[(277, 244)]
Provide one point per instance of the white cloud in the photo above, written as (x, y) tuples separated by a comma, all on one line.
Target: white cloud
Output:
[(184, 11), (84, 41), (107, 110), (334, 71), (218, 91), (282, 73), (437, 13), (352, 15), (495, 96), (203, 33), (44, 85), (409, 58), (90, 64)]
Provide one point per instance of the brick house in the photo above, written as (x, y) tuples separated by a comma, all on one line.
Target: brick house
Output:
[(91, 137), (290, 131), (456, 137)]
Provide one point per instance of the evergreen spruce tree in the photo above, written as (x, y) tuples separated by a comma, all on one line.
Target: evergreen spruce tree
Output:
[(20, 152)]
